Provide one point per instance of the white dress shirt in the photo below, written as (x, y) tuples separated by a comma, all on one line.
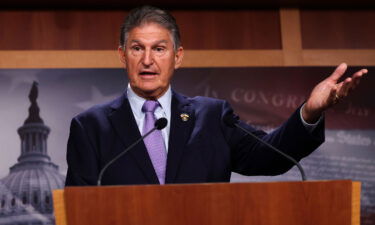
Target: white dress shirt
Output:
[(310, 127)]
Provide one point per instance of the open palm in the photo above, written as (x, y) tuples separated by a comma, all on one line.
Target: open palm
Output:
[(329, 92)]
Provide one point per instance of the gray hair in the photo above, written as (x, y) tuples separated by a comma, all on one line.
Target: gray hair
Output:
[(149, 14)]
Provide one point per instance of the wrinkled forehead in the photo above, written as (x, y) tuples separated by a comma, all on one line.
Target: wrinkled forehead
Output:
[(149, 32)]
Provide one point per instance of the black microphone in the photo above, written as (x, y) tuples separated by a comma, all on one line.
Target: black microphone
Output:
[(159, 124), (232, 121)]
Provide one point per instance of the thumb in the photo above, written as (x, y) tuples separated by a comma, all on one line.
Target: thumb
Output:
[(339, 71)]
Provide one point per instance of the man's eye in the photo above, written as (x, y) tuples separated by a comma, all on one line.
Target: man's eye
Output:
[(136, 48), (159, 49)]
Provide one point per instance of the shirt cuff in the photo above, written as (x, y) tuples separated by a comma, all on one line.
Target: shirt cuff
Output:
[(310, 127)]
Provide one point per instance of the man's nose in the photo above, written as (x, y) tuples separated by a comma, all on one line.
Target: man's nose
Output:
[(148, 58)]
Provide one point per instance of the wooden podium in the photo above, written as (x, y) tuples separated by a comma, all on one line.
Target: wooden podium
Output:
[(281, 203)]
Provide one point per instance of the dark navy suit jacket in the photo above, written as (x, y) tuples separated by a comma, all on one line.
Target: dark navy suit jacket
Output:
[(202, 149)]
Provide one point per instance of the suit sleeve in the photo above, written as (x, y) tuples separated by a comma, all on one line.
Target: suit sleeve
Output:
[(82, 157), (250, 157)]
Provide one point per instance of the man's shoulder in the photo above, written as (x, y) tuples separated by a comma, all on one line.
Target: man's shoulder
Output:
[(207, 101), (202, 100), (100, 111)]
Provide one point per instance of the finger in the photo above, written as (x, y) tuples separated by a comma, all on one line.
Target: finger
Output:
[(345, 87), (333, 96), (339, 88), (359, 73), (357, 78), (339, 71)]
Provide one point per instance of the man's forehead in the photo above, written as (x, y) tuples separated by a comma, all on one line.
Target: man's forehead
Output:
[(150, 31)]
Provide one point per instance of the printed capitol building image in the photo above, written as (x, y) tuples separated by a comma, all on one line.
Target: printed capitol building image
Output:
[(26, 193)]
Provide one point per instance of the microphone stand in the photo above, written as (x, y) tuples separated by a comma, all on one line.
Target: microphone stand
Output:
[(121, 154), (276, 150)]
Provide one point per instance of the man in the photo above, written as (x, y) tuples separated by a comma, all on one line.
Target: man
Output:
[(196, 145)]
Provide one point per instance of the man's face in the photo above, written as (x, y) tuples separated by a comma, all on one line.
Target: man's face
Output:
[(150, 59)]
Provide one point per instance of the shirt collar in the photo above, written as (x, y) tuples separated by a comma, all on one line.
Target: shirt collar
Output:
[(137, 102)]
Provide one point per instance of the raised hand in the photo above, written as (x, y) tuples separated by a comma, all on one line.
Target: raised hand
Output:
[(329, 92)]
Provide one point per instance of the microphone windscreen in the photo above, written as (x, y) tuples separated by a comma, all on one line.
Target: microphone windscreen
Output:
[(230, 120), (161, 123)]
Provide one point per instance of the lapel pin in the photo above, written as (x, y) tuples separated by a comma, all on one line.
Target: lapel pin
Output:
[(184, 117)]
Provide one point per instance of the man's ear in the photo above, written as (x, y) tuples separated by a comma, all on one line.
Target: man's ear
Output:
[(178, 57), (121, 53)]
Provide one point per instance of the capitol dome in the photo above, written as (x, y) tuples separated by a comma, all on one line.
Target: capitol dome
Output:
[(26, 193)]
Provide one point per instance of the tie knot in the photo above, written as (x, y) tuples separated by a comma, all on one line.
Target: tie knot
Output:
[(150, 106)]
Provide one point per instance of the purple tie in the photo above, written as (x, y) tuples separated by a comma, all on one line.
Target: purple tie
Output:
[(154, 142)]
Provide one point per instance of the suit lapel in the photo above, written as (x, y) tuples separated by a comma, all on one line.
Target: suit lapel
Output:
[(122, 119), (180, 131)]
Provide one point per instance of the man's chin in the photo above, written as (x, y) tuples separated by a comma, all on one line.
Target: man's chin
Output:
[(149, 93)]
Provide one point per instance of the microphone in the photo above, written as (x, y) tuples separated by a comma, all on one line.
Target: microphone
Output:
[(232, 121), (159, 125)]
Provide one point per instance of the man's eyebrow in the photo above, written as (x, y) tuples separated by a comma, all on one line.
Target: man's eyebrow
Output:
[(156, 43), (135, 41), (161, 41)]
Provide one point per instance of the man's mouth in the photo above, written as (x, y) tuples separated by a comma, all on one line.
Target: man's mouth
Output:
[(148, 73)]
